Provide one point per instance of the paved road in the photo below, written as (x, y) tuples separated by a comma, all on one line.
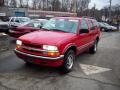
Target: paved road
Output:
[(15, 75)]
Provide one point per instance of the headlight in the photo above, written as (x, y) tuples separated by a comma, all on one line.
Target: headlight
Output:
[(19, 43), (52, 51), (50, 48)]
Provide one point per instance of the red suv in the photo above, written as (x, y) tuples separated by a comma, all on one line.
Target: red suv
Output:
[(59, 41)]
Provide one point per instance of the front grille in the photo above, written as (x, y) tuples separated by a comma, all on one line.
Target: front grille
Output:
[(32, 49), (32, 45), (32, 52)]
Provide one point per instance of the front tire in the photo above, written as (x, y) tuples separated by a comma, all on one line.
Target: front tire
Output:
[(68, 61), (103, 30), (28, 63)]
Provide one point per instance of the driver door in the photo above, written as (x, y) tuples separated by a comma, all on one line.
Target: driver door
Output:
[(83, 38)]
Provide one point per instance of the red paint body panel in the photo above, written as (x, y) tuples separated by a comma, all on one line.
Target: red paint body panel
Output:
[(60, 39), (19, 31), (55, 63)]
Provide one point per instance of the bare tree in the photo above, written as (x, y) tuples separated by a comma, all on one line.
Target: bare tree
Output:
[(110, 1), (1, 2), (13, 3), (6, 2), (56, 5), (20, 3), (27, 4)]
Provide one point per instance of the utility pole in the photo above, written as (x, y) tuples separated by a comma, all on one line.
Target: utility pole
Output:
[(110, 1), (1, 2), (94, 10), (75, 6)]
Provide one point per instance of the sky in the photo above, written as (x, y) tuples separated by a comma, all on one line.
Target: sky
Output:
[(101, 3)]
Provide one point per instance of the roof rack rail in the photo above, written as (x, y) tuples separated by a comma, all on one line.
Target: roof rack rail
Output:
[(88, 17)]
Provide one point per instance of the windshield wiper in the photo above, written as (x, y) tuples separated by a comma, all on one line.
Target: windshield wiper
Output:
[(46, 29), (57, 30)]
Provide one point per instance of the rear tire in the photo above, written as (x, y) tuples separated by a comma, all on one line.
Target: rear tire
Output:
[(68, 61), (103, 30), (93, 49)]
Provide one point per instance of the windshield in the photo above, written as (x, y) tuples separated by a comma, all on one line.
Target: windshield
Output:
[(24, 19), (65, 25), (102, 24), (32, 24)]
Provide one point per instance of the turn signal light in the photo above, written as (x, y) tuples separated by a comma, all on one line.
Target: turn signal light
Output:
[(18, 46), (53, 54)]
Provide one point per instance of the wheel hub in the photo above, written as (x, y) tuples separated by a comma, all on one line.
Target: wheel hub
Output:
[(70, 61)]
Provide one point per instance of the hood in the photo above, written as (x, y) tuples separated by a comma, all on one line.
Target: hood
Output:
[(46, 37), (26, 28)]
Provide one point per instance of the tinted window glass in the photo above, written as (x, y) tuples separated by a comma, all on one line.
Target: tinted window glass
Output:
[(65, 25), (91, 25), (24, 19), (12, 20), (96, 23), (83, 24), (17, 20)]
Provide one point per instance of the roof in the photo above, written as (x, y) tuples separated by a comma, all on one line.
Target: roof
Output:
[(69, 17), (75, 18)]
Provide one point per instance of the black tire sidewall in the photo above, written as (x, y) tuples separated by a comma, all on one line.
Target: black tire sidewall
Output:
[(64, 66), (92, 49)]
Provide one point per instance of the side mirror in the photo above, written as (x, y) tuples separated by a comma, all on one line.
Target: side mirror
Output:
[(84, 31), (40, 27)]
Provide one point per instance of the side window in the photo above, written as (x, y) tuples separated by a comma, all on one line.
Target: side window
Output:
[(91, 25), (24, 19), (83, 24), (12, 20), (17, 20)]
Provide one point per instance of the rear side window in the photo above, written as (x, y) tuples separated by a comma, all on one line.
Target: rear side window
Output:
[(96, 24), (83, 24), (91, 25)]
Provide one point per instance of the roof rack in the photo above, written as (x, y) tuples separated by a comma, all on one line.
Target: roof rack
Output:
[(88, 17)]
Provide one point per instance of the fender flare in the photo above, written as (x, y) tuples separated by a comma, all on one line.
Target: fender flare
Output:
[(67, 47)]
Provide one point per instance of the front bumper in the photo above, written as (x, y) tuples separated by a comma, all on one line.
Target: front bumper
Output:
[(45, 61), (16, 34)]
